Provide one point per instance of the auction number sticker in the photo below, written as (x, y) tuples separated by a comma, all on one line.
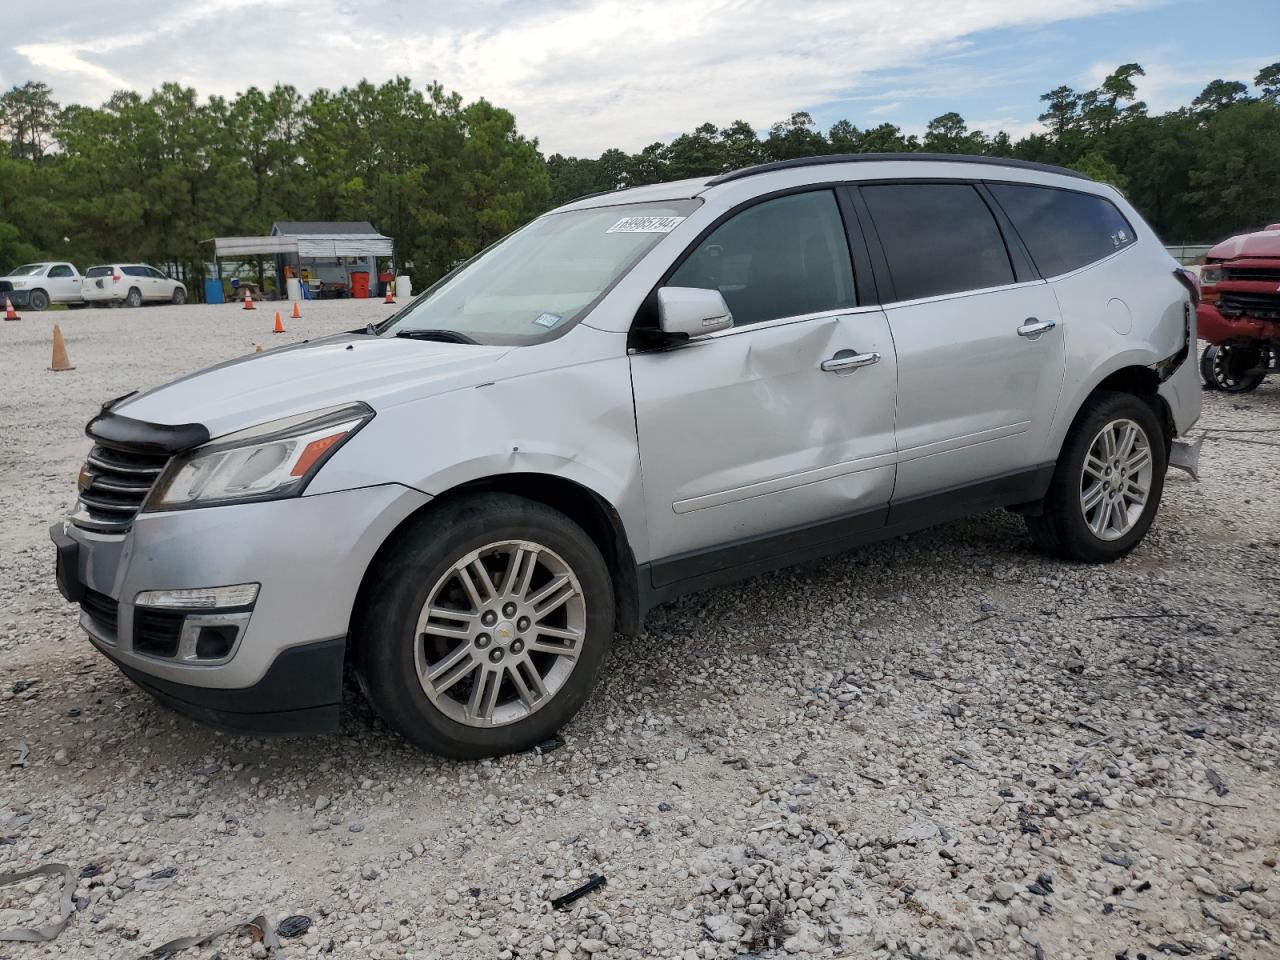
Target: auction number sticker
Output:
[(646, 225)]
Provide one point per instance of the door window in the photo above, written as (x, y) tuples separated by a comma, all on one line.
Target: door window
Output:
[(784, 257), (1063, 229), (60, 270), (939, 238)]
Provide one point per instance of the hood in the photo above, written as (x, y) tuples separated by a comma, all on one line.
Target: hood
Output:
[(1264, 243), (381, 371)]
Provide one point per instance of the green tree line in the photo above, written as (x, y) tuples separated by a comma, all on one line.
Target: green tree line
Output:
[(151, 177)]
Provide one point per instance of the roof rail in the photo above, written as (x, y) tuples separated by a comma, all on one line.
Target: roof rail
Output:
[(870, 157)]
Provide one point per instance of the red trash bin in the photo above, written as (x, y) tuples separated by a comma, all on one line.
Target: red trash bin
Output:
[(360, 284)]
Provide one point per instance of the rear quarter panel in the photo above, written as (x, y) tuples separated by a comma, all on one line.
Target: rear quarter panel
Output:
[(1123, 311)]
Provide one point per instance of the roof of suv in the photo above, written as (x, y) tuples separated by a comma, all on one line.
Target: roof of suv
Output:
[(685, 189)]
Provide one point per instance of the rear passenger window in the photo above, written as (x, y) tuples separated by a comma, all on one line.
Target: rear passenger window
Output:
[(939, 238), (781, 258), (1063, 230)]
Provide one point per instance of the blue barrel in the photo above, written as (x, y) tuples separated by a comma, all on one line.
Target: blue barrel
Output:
[(213, 292)]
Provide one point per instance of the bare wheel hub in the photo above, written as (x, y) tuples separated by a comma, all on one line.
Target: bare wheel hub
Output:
[(500, 633)]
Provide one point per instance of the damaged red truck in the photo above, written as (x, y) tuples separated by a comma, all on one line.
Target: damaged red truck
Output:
[(1239, 311)]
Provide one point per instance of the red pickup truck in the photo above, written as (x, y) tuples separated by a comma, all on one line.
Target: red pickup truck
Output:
[(1239, 312)]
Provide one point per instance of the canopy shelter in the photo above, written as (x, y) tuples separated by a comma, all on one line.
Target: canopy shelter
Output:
[(331, 257)]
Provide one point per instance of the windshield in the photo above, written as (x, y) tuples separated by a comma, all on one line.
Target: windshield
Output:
[(27, 270), (544, 277)]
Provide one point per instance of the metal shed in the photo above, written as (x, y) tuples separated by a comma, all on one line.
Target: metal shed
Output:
[(326, 252)]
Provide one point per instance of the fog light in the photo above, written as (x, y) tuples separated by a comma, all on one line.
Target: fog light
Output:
[(203, 598)]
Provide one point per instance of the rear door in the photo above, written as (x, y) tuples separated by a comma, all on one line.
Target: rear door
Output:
[(776, 434), (979, 337)]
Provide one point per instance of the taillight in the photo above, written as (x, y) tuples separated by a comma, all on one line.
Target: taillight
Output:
[(1190, 281), (115, 278)]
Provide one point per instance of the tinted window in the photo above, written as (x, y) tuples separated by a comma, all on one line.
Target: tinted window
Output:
[(98, 272), (1063, 229), (939, 238), (781, 258), (153, 272), (61, 270), (135, 271)]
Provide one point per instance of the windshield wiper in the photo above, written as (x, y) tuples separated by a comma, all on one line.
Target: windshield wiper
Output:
[(443, 336)]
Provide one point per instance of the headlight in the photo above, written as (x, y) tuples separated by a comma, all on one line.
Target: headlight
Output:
[(266, 462), (1210, 275), (18, 284)]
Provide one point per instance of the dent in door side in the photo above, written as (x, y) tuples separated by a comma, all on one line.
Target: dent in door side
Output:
[(742, 435)]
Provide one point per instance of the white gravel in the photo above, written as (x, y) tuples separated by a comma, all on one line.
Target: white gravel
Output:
[(936, 747)]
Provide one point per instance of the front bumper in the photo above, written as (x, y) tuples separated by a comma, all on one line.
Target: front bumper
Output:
[(19, 298), (309, 554), (1215, 328)]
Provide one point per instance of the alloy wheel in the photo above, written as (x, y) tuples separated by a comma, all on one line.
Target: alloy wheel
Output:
[(500, 633), (1116, 480)]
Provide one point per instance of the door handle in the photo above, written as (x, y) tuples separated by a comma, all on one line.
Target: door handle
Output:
[(1033, 327), (848, 360)]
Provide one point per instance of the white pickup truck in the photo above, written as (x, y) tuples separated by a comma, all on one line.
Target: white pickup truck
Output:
[(36, 285)]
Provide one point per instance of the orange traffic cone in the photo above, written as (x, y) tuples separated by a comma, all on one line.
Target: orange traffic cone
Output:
[(391, 297), (60, 361), (279, 324), (297, 314), (248, 300), (9, 312)]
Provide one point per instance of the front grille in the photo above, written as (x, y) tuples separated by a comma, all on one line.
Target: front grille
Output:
[(1260, 306), (156, 632), (102, 610), (1264, 274), (118, 483)]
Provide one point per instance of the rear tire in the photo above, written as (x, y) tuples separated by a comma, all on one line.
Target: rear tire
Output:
[(454, 608), (39, 300), (1092, 511), (133, 298)]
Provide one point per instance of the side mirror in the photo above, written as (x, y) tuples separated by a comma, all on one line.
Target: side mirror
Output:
[(692, 312)]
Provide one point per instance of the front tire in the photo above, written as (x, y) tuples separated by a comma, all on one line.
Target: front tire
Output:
[(39, 300), (486, 627), (1107, 486), (1233, 369), (179, 296)]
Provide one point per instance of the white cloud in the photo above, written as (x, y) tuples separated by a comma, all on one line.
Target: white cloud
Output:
[(886, 108), (580, 76)]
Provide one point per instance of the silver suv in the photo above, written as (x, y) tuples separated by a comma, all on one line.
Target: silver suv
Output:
[(638, 395)]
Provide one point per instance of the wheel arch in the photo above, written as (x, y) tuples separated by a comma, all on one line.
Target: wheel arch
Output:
[(584, 506), (1144, 383), (1133, 378)]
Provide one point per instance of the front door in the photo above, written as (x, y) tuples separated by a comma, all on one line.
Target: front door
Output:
[(63, 283), (785, 420), (981, 356)]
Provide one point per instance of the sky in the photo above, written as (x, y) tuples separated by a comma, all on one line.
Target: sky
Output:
[(586, 75)]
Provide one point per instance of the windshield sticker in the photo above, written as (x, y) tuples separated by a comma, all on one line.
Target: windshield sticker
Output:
[(547, 320), (646, 225)]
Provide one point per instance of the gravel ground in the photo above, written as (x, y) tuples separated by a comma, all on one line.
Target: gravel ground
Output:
[(942, 746)]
